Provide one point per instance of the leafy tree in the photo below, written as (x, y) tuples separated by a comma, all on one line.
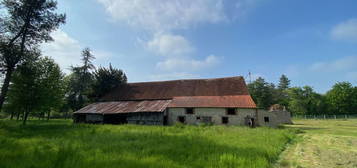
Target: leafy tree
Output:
[(37, 87), (305, 101), (24, 87), (106, 79), (262, 93), (342, 98), (51, 86), (25, 24), (81, 81)]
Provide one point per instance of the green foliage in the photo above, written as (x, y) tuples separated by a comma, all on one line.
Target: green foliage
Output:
[(106, 79), (37, 87), (262, 93), (342, 98), (305, 101), (52, 86), (281, 95), (61, 144), (284, 83), (24, 25), (22, 95), (80, 82)]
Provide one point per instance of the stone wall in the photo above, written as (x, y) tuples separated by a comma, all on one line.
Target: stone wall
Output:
[(273, 118), (200, 114)]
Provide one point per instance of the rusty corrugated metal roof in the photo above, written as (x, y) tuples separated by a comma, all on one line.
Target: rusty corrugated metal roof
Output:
[(239, 101), (169, 89), (125, 107)]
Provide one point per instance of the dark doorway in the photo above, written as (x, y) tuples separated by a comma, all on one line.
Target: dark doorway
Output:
[(253, 122), (115, 119), (225, 120), (165, 120), (181, 119), (79, 118), (266, 119), (250, 121)]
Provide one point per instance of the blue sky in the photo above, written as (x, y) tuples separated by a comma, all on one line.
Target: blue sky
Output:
[(312, 42)]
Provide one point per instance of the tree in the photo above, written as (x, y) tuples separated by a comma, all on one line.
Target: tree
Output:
[(284, 83), (37, 87), (24, 87), (106, 79), (81, 81), (281, 94), (26, 24), (304, 101), (51, 86), (342, 98), (262, 93)]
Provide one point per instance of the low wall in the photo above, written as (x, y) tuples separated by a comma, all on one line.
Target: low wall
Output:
[(273, 118)]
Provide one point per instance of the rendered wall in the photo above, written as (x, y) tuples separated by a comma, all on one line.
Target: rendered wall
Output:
[(215, 113)]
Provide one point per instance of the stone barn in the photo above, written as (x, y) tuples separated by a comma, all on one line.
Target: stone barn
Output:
[(218, 101)]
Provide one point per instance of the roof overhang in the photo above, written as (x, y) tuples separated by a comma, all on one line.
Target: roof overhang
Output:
[(121, 107)]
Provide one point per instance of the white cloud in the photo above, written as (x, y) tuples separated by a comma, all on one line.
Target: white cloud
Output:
[(163, 15), (178, 54), (170, 45), (172, 76), (184, 64), (160, 18), (64, 50), (346, 63), (345, 31)]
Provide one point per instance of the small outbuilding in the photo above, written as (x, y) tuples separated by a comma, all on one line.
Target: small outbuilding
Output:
[(194, 101)]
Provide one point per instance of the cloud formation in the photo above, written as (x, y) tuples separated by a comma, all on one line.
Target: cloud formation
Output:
[(164, 15), (187, 64), (346, 30), (65, 50), (170, 45), (346, 63), (172, 76)]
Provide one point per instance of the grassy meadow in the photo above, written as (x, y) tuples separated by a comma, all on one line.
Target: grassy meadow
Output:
[(61, 144), (324, 144)]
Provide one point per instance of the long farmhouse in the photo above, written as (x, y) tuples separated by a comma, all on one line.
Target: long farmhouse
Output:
[(194, 101)]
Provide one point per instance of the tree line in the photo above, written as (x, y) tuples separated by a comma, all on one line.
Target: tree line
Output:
[(33, 85), (340, 99)]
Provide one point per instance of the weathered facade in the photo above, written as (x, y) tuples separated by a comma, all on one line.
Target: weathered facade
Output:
[(200, 101)]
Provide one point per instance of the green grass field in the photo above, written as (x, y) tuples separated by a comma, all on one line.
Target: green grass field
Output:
[(61, 144), (324, 144)]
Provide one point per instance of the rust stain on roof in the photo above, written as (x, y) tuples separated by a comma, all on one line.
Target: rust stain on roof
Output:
[(157, 96), (169, 89), (239, 101), (125, 107)]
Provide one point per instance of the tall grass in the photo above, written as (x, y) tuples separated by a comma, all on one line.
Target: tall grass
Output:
[(63, 144)]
